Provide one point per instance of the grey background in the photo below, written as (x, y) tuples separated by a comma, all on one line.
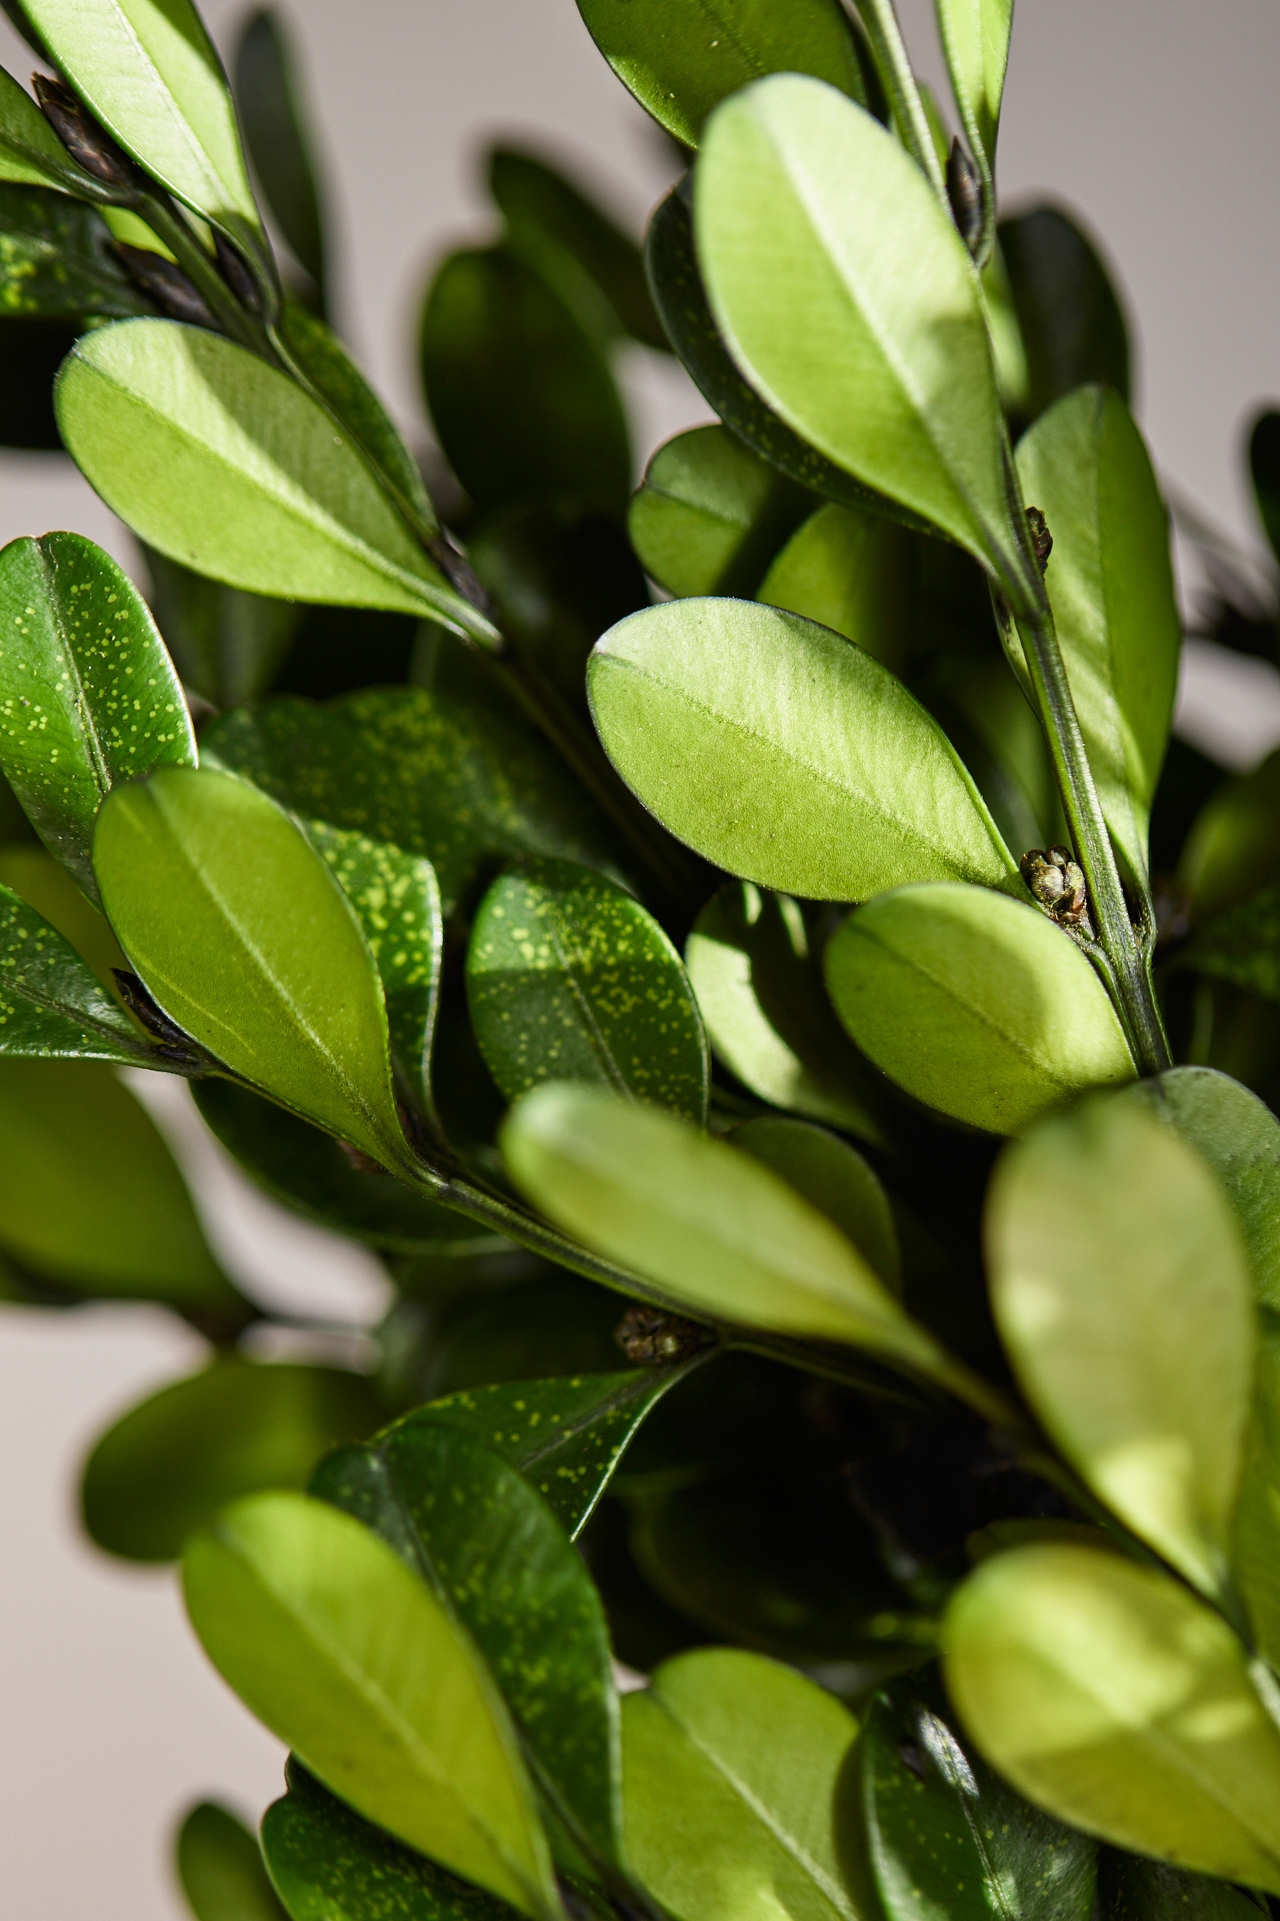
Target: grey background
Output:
[(1155, 121)]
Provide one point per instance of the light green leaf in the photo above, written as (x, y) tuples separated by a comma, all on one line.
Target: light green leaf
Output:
[(804, 275), (1256, 1534), (974, 1003), (834, 1178), (237, 928), (767, 1014), (847, 570), (148, 71), (975, 37), (1110, 582), (172, 1461), (717, 1232), (1109, 1695), (88, 695), (228, 466), (710, 514), (568, 978), (351, 1659), (30, 151), (51, 1002), (1233, 849), (1133, 1335), (45, 884), (221, 1870), (732, 1768), (776, 749)]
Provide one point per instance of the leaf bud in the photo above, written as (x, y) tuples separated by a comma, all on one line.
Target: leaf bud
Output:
[(87, 143), (1057, 882), (167, 285), (964, 191), (1041, 538), (649, 1337)]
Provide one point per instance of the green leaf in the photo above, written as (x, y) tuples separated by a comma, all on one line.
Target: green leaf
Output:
[(1107, 1694), (1239, 1136), (946, 1836), (226, 645), (520, 394), (775, 749), (718, 1233), (974, 1003), (88, 695), (170, 1463), (331, 1866), (474, 1529), (975, 36), (733, 1790), (227, 465), (802, 273), (566, 237), (220, 1867), (834, 1178), (150, 74), (682, 58), (31, 153), (51, 1003), (847, 570), (568, 978), (45, 884), (311, 1174), (1110, 581), (351, 1659), (90, 1197), (1069, 315), (1132, 1887), (1240, 945), (276, 135), (433, 775), (1254, 1561), (1233, 849), (57, 260), (710, 514), (767, 1014), (1264, 471), (1133, 1336), (245, 940)]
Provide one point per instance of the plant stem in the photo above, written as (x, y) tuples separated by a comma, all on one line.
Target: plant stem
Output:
[(202, 270), (899, 83)]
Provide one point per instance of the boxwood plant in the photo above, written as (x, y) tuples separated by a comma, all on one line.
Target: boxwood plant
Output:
[(743, 953)]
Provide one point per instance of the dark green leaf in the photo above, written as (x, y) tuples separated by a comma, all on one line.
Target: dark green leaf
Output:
[(329, 1865), (88, 695), (226, 645), (275, 132), (1264, 469), (220, 1867), (568, 978), (948, 1837), (1241, 944), (51, 1002), (520, 394), (89, 1194), (710, 514), (834, 1178), (1072, 323), (31, 153), (847, 570), (522, 1320), (1233, 849), (775, 748), (236, 926), (57, 260), (1132, 1887)]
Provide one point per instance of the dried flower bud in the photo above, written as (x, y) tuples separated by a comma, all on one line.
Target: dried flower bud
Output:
[(174, 1043), (167, 285), (1041, 538), (964, 191), (1058, 883), (87, 143), (648, 1336)]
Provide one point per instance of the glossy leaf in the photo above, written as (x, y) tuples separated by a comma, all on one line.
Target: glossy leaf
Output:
[(351, 1659), (311, 1174), (834, 1178), (57, 260), (846, 570), (254, 487), (221, 1870), (226, 645), (1110, 582), (974, 1003), (767, 1014), (1133, 1337), (331, 1866), (51, 1003), (150, 74), (1070, 318), (1109, 1695), (167, 1466), (975, 36), (802, 275), (947, 1836), (775, 748), (732, 1777), (31, 153), (1233, 849), (380, 763), (681, 59), (520, 394), (1132, 1887), (224, 910), (276, 136), (470, 1524), (89, 1194), (1239, 1136), (710, 514), (568, 978), (718, 1234), (88, 695)]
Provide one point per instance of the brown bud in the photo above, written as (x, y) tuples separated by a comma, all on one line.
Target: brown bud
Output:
[(236, 274), (167, 285), (87, 143), (648, 1336), (964, 191), (1041, 538), (174, 1042), (1057, 882)]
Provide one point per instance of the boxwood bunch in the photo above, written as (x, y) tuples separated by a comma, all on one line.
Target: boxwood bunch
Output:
[(744, 954)]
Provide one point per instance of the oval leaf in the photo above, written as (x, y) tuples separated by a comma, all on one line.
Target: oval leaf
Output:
[(245, 940), (1109, 1695), (1069, 315), (776, 749), (975, 36), (220, 1867), (710, 514), (1233, 848), (276, 135), (568, 978), (51, 1002), (974, 1003), (834, 1178), (847, 570), (351, 1659)]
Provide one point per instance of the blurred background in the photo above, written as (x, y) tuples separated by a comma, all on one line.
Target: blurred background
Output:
[(1148, 120)]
